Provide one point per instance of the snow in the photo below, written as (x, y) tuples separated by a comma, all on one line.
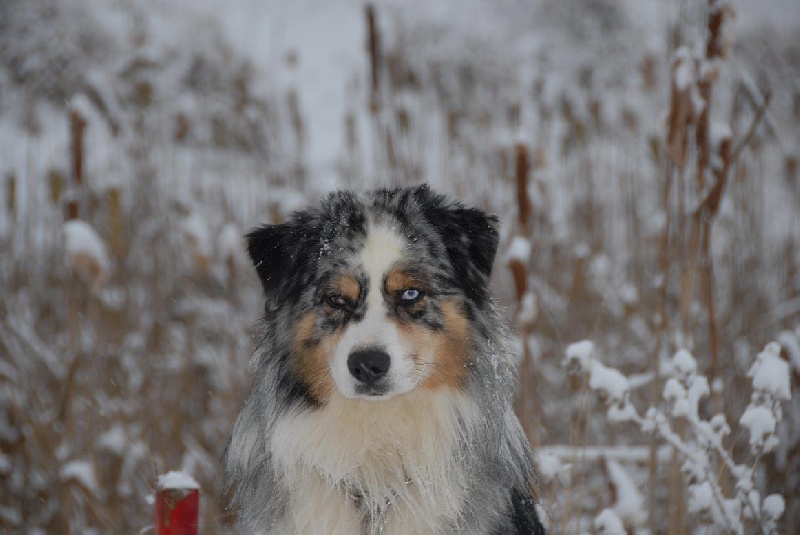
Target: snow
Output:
[(630, 504), (629, 294), (627, 453), (683, 75), (698, 102), (582, 250), (510, 46), (674, 390), (528, 310), (701, 497), (770, 373), (761, 424), (327, 39), (549, 466), (719, 425), (718, 132), (703, 438), (717, 385), (177, 480), (773, 506), (519, 249), (580, 352), (684, 364), (82, 472), (610, 382), (85, 248), (608, 523), (231, 243), (80, 104), (113, 440), (196, 230), (622, 412)]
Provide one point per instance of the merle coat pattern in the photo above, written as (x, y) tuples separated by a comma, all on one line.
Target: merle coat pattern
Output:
[(308, 452)]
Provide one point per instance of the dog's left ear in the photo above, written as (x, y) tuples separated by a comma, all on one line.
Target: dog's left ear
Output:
[(470, 237)]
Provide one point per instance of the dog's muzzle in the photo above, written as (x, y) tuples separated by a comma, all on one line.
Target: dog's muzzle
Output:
[(369, 366)]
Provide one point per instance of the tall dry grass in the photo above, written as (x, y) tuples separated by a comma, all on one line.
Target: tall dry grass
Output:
[(644, 236)]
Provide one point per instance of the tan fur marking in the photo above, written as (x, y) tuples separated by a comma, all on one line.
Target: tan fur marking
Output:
[(348, 287), (397, 280), (450, 347), (311, 360)]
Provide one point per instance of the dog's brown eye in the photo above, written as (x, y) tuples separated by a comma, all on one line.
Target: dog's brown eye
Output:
[(337, 301)]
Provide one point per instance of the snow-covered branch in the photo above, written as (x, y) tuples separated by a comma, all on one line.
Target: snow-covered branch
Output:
[(703, 443)]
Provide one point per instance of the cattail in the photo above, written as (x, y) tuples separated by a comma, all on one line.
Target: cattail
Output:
[(522, 170), (77, 123), (116, 222), (55, 183), (374, 47), (11, 192), (680, 107)]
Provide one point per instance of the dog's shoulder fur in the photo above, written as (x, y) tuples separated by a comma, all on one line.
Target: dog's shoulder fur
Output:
[(432, 447)]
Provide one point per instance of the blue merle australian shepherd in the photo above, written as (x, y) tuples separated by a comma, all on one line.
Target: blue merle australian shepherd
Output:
[(383, 388)]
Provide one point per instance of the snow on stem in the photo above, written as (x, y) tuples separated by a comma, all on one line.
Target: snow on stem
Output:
[(682, 394)]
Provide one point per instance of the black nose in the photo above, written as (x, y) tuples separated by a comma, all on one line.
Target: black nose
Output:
[(368, 365)]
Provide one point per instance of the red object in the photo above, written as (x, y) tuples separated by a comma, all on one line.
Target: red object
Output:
[(177, 511)]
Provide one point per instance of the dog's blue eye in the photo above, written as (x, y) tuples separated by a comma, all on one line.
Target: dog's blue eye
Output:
[(410, 295)]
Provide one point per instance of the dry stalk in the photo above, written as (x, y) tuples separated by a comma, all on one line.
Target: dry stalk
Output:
[(698, 252), (680, 116), (661, 330), (77, 123), (296, 119), (522, 171), (374, 47), (530, 413), (116, 223), (11, 193)]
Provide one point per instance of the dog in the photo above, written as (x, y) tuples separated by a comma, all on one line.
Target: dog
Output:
[(383, 383)]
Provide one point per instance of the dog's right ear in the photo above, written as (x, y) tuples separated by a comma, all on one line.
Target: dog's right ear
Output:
[(267, 246), (283, 257)]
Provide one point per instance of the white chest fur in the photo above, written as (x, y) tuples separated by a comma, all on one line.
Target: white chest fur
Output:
[(401, 450)]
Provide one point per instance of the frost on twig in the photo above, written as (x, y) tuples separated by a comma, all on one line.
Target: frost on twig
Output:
[(681, 396)]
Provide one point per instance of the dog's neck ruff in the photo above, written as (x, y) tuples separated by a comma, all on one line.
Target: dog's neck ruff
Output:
[(369, 456), (370, 526)]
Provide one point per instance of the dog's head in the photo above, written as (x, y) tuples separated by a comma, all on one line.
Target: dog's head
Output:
[(382, 290)]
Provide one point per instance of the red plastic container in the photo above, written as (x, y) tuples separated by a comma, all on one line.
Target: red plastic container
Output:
[(177, 505)]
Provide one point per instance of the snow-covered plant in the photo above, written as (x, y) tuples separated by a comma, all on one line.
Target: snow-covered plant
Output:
[(703, 441)]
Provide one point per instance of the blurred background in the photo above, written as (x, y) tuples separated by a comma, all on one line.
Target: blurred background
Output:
[(642, 154)]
